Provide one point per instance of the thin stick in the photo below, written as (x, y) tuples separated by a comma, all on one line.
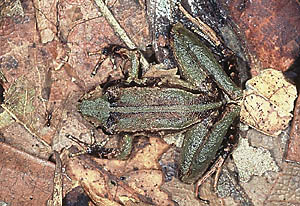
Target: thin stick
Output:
[(202, 26), (118, 29)]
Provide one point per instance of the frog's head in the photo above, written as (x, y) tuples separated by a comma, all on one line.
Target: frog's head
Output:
[(97, 109)]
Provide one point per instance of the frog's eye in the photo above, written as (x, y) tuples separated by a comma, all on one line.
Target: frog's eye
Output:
[(105, 51)]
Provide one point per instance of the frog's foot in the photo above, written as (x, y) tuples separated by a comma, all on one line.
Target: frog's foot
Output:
[(215, 168), (132, 56), (95, 149), (112, 51)]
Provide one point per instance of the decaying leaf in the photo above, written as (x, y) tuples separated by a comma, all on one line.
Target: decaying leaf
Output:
[(20, 106), (285, 190), (252, 161), (293, 149), (11, 8), (135, 181), (45, 24), (228, 186), (271, 30), (184, 194), (268, 101), (25, 179)]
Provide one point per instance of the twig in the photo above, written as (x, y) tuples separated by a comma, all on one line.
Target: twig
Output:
[(57, 194), (202, 26), (118, 29)]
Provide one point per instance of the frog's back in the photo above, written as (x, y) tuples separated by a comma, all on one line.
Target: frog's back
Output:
[(136, 109)]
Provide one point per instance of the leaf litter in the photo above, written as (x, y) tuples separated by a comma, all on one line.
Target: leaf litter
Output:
[(135, 181), (275, 197), (268, 102)]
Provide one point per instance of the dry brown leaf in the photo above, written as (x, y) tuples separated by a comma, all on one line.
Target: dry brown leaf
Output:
[(184, 194), (293, 151), (25, 179), (131, 182), (271, 29), (25, 64), (46, 23), (285, 190), (155, 71), (268, 101)]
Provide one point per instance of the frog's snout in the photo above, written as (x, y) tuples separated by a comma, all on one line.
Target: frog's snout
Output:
[(86, 107), (97, 108)]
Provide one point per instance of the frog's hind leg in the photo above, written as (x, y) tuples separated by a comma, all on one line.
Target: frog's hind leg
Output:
[(202, 144), (197, 63), (215, 168), (126, 55)]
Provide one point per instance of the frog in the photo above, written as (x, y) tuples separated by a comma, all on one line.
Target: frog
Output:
[(201, 103)]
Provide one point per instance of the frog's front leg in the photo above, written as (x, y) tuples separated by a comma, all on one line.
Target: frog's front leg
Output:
[(96, 149), (127, 55), (201, 145), (110, 51), (125, 147)]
